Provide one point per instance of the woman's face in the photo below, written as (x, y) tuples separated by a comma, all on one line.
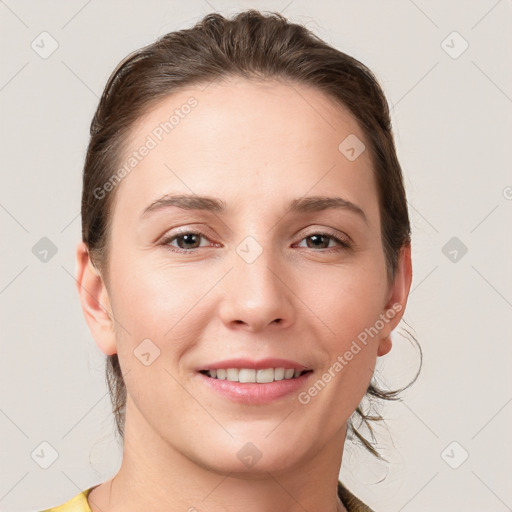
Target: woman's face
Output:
[(256, 278)]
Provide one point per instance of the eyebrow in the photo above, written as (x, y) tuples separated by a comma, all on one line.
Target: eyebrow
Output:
[(215, 205)]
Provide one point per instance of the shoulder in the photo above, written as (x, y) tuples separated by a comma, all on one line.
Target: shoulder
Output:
[(351, 502), (77, 504)]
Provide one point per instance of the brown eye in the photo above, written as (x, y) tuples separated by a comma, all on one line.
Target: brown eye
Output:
[(319, 241), (188, 239), (322, 240), (185, 242)]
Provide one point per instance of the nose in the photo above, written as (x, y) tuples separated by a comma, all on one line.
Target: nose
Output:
[(258, 295)]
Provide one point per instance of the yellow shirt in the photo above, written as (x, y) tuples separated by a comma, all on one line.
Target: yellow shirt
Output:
[(80, 504), (77, 504)]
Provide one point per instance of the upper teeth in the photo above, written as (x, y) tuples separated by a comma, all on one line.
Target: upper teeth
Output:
[(252, 375)]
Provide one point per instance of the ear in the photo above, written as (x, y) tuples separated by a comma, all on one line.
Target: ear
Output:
[(397, 299), (95, 301)]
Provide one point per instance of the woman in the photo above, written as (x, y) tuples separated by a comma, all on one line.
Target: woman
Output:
[(245, 258)]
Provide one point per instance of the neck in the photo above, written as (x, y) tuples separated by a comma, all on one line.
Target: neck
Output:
[(156, 476)]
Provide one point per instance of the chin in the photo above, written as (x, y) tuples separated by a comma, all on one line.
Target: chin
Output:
[(252, 456), (257, 470)]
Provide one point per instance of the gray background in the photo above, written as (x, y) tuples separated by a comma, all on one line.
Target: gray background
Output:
[(452, 117)]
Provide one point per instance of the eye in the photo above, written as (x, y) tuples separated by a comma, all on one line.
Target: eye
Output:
[(187, 241), (318, 241)]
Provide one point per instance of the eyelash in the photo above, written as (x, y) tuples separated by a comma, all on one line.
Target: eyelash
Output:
[(343, 243)]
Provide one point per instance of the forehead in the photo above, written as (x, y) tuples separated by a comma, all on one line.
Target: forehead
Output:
[(259, 140)]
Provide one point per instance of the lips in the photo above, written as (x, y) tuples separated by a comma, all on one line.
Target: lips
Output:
[(255, 382), (263, 371)]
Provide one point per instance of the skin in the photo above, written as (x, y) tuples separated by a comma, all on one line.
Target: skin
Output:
[(256, 146)]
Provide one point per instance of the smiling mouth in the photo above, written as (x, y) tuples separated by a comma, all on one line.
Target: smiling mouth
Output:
[(250, 375)]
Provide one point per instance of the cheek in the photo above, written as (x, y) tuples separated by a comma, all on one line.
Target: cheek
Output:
[(163, 305), (350, 303), (351, 309), (154, 308), (349, 298), (155, 301)]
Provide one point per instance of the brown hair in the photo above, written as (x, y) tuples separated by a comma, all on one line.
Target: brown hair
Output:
[(254, 46)]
